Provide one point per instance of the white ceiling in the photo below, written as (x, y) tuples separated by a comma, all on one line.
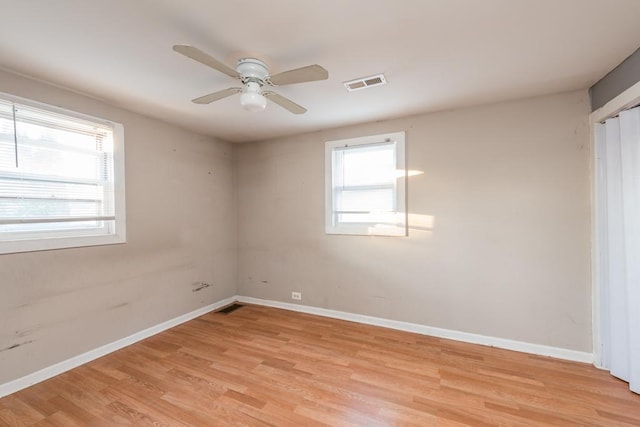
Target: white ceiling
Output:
[(436, 54)]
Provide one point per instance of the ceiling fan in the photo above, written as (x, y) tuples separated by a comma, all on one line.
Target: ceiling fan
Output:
[(254, 75)]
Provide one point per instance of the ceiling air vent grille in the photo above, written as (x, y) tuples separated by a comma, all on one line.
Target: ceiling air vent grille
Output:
[(365, 82)]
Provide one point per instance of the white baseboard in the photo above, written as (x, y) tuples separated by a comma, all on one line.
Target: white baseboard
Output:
[(538, 349), (66, 365), (59, 368)]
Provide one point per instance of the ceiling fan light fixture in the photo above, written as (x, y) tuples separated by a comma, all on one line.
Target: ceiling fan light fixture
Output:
[(252, 99)]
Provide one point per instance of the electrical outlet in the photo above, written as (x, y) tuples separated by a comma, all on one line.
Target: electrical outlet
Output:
[(296, 295)]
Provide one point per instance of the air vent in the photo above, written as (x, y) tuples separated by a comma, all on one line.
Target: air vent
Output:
[(365, 82), (229, 309)]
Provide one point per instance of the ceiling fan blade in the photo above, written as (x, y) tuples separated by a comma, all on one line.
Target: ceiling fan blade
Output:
[(309, 73), (204, 58), (208, 99), (285, 103)]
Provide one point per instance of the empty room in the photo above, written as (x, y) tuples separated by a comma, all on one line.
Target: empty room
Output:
[(320, 213)]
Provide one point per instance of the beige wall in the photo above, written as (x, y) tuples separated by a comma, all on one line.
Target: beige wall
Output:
[(181, 231), (499, 238), (498, 245)]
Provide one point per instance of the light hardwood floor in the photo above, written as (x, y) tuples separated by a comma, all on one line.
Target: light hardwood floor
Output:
[(260, 366)]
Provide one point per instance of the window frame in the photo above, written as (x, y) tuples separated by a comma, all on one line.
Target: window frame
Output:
[(400, 228), (49, 240)]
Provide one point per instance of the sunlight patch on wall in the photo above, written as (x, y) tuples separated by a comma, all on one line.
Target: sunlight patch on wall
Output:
[(410, 172), (421, 222)]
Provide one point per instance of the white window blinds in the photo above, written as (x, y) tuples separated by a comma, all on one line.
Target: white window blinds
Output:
[(56, 174)]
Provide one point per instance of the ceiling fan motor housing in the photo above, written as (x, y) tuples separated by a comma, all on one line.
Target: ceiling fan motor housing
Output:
[(252, 70)]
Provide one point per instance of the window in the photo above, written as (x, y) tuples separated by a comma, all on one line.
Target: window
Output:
[(61, 178), (365, 181)]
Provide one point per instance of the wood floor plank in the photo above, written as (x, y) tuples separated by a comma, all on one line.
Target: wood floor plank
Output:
[(9, 418), (261, 366), (16, 408)]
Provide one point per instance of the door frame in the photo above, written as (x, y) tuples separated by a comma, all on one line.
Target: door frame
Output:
[(627, 99)]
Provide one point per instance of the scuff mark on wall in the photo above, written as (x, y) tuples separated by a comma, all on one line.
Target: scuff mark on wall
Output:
[(16, 345), (200, 286), (21, 333), (122, 304)]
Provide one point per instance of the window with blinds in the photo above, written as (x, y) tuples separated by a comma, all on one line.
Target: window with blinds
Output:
[(365, 186), (58, 178)]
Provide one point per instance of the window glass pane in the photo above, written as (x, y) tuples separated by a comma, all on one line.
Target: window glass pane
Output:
[(365, 200), (41, 229), (38, 188), (46, 151), (45, 208), (369, 165), (370, 219)]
